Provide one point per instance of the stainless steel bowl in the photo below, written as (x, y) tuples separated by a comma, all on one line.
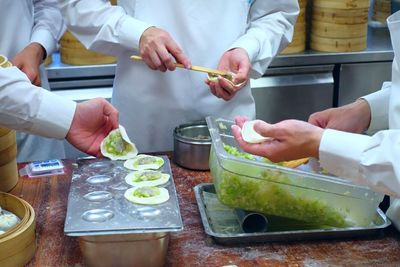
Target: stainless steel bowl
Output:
[(192, 143)]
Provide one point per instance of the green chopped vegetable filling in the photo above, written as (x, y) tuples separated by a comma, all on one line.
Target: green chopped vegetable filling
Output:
[(146, 191), (272, 193), (148, 176), (116, 145)]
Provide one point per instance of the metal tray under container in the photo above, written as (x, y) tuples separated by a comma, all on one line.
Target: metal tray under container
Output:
[(280, 230), (97, 206)]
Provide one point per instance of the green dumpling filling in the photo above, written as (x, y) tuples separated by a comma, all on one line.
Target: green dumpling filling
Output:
[(146, 191), (147, 176), (116, 145)]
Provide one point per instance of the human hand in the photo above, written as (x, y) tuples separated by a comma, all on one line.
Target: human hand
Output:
[(354, 117), (159, 50), (237, 62), (292, 139), (29, 60), (92, 122)]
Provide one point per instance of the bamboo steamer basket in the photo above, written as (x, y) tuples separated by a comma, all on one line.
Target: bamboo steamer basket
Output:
[(18, 245), (341, 4), (8, 160), (332, 30), (48, 60), (338, 44), (382, 10), (8, 150), (339, 26), (74, 52), (338, 16), (298, 43)]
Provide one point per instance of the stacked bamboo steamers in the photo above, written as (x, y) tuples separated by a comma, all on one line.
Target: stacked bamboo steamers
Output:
[(17, 244), (73, 52), (8, 150), (339, 25), (298, 43)]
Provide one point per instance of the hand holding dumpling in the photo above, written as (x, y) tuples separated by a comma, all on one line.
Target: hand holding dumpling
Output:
[(292, 139), (237, 62)]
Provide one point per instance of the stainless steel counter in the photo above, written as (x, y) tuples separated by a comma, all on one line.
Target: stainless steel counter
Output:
[(379, 48)]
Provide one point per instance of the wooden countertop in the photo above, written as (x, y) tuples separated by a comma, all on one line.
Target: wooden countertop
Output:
[(192, 247)]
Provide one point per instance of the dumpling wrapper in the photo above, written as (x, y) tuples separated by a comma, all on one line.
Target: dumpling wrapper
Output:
[(146, 178), (250, 135), (144, 162), (230, 77), (118, 146), (147, 195)]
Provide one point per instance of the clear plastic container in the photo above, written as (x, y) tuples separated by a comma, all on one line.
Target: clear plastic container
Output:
[(303, 193)]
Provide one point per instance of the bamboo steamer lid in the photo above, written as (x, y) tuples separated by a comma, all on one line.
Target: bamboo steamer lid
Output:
[(18, 248), (73, 52), (341, 4), (338, 44), (332, 30), (340, 16)]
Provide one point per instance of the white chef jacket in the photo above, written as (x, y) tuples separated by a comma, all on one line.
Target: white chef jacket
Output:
[(21, 23), (32, 109), (373, 160), (152, 103)]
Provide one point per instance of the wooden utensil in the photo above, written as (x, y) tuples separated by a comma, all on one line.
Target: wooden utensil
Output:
[(195, 68)]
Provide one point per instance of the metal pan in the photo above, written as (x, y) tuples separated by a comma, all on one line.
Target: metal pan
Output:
[(279, 229)]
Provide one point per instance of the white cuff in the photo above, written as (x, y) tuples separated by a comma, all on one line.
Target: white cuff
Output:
[(379, 105), (54, 116), (130, 32), (249, 43), (45, 39), (340, 153)]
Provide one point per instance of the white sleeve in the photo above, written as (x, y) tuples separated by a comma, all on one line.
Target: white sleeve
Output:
[(379, 105), (48, 24), (269, 31), (101, 26), (32, 109), (366, 160)]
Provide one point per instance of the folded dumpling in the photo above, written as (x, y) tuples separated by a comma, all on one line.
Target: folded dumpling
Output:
[(118, 146)]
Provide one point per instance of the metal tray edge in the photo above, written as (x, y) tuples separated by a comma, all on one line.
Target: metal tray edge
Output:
[(283, 236)]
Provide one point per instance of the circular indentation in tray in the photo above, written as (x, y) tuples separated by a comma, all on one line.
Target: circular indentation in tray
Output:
[(101, 165), (98, 179), (98, 196), (119, 186), (145, 212), (97, 215)]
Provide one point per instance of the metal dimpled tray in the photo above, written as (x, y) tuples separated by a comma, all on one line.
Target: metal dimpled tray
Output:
[(97, 206), (222, 223)]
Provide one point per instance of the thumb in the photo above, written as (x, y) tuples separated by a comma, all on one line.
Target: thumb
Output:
[(242, 75), (265, 129), (112, 113)]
